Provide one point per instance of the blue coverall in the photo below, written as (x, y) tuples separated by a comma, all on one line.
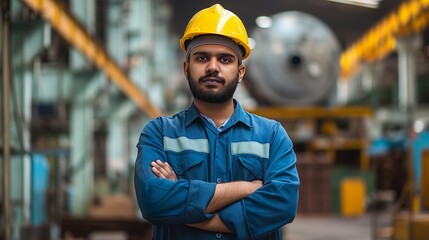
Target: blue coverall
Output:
[(249, 147)]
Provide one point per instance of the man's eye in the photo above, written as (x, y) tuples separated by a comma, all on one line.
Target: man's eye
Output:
[(201, 58), (226, 60)]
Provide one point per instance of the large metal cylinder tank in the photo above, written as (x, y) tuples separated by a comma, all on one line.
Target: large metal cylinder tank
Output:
[(294, 62)]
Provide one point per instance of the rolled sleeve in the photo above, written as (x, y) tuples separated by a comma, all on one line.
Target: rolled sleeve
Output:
[(163, 201), (233, 216), (275, 204), (199, 195), (264, 212)]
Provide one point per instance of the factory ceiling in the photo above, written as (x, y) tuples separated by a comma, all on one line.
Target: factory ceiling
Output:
[(348, 22)]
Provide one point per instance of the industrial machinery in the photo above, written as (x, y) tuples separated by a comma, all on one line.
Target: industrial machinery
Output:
[(294, 62), (292, 73)]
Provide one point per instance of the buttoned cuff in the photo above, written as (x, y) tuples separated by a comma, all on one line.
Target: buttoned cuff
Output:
[(234, 218), (199, 196)]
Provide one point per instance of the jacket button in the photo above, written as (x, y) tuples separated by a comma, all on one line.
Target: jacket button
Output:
[(218, 180), (218, 235)]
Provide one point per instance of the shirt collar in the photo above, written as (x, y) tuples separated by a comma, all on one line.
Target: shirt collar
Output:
[(193, 114), (239, 115), (213, 123)]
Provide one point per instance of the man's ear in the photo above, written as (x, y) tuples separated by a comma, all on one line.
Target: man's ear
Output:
[(186, 69), (241, 72)]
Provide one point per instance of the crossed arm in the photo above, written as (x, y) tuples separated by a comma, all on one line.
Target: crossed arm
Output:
[(225, 194)]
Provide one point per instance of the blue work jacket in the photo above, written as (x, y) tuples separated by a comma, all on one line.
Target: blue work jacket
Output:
[(249, 147)]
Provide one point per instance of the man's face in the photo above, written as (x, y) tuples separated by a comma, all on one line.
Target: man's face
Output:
[(213, 73)]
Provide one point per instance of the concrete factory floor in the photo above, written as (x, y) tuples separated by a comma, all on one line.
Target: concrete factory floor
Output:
[(329, 228)]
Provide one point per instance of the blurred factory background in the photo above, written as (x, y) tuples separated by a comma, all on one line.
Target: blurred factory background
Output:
[(348, 79)]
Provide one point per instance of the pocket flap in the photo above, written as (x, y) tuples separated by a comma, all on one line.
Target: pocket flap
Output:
[(253, 164), (183, 163)]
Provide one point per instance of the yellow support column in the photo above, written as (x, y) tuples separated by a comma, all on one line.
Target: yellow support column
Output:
[(353, 193)]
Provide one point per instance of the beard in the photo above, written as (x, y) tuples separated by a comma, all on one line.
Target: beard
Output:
[(208, 95)]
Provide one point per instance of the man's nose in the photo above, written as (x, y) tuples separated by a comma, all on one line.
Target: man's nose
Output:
[(213, 65)]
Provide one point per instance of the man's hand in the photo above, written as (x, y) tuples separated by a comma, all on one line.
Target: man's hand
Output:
[(163, 170), (227, 193)]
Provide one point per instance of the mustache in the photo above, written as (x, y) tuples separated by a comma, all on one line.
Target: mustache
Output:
[(212, 76)]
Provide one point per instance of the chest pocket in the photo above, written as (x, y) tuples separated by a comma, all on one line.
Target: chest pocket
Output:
[(249, 167), (188, 166)]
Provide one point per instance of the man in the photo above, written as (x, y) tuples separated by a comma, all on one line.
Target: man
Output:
[(214, 170)]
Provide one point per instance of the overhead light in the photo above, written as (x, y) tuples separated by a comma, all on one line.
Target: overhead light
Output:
[(264, 22), (362, 3), (419, 126)]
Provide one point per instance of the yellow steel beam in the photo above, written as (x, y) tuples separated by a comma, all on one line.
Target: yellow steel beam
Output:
[(411, 17), (69, 28)]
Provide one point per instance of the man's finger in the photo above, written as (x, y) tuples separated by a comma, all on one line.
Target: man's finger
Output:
[(163, 170), (161, 167), (169, 169), (158, 173)]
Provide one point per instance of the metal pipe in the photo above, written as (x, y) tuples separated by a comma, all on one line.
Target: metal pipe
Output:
[(5, 4), (407, 48), (69, 28)]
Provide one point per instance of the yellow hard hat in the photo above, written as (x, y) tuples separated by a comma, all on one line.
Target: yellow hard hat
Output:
[(218, 21)]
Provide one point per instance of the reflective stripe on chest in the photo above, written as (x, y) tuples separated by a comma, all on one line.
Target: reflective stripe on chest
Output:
[(181, 144)]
